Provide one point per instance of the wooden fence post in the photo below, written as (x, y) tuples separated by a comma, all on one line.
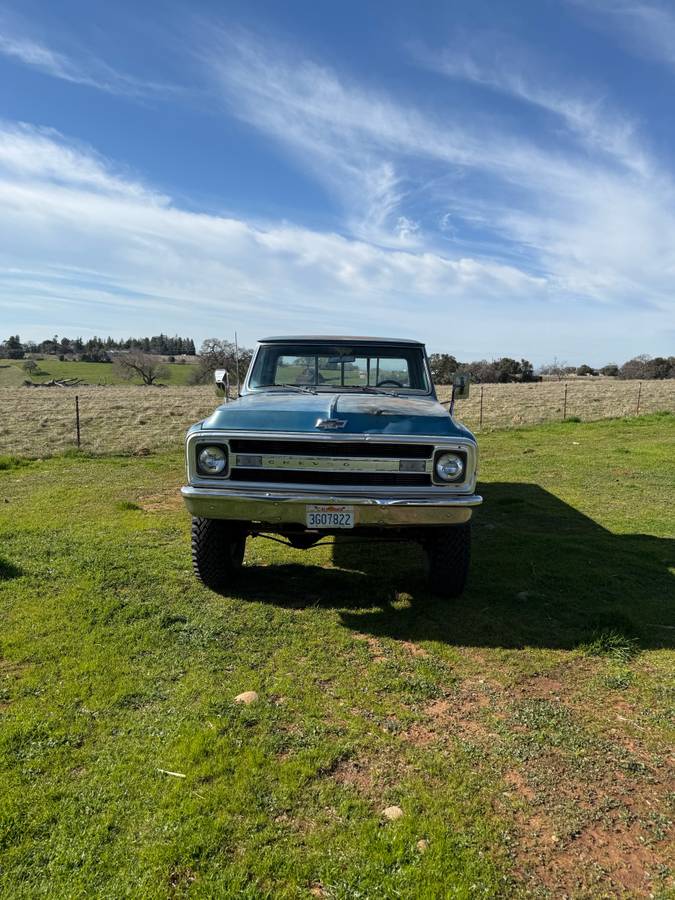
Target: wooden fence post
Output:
[(637, 407), (565, 403), (77, 418), (480, 423)]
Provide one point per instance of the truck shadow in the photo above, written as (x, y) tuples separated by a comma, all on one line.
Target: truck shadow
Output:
[(542, 574)]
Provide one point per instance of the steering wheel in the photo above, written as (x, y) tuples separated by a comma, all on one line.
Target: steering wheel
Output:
[(390, 381)]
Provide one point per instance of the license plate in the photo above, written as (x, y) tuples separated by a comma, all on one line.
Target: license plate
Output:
[(330, 516)]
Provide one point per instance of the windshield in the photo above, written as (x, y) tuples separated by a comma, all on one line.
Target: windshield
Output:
[(358, 367)]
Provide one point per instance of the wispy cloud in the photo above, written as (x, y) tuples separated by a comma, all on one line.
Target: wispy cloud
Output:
[(28, 152), (646, 28), (592, 213), (360, 143), (86, 70), (511, 69)]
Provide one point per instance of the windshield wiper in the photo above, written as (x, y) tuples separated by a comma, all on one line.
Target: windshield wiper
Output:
[(372, 390), (303, 389)]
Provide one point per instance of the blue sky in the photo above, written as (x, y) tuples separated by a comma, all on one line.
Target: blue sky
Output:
[(490, 177)]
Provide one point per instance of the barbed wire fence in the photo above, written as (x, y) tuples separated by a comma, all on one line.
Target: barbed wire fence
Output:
[(41, 421)]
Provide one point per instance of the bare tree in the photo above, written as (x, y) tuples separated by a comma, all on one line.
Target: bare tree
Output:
[(220, 354), (558, 368), (137, 364)]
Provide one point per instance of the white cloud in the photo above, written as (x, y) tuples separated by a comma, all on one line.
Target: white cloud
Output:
[(360, 143), (83, 249), (27, 152), (593, 214), (87, 70), (511, 69)]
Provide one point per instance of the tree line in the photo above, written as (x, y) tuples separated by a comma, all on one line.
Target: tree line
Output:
[(483, 371), (216, 353), (96, 349)]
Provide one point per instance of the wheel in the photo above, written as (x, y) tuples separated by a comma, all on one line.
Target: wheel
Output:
[(217, 551), (449, 553)]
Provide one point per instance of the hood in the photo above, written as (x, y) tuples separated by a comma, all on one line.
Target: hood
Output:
[(363, 414)]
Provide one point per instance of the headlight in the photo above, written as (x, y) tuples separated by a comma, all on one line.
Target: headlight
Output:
[(449, 467), (211, 460)]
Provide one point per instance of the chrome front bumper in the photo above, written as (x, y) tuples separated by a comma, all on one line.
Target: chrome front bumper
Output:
[(288, 507)]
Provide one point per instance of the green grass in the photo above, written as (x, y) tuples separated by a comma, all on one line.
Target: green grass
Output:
[(12, 372), (512, 726), (612, 643)]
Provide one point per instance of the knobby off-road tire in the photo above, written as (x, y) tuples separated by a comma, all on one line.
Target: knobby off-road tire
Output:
[(449, 554), (217, 551)]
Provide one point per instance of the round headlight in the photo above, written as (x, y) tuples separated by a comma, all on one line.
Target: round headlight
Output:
[(212, 460), (449, 467)]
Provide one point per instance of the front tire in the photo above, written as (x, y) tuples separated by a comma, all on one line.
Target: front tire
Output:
[(217, 551), (449, 554)]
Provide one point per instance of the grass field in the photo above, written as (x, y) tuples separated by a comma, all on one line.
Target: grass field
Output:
[(133, 419), (525, 730), (12, 373)]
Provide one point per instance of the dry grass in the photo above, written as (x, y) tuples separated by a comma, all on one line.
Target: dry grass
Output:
[(506, 405), (113, 418), (128, 419)]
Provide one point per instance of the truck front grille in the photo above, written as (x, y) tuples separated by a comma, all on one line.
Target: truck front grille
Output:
[(364, 449), (330, 463)]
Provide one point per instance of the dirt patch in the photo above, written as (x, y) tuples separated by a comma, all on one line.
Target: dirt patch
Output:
[(542, 686), (615, 856), (414, 649), (180, 879), (586, 827), (459, 715), (374, 645), (589, 811), (420, 736), (355, 774), (461, 707), (169, 500), (619, 850), (517, 782)]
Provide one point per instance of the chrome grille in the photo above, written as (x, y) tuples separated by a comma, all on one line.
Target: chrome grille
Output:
[(364, 449), (332, 463)]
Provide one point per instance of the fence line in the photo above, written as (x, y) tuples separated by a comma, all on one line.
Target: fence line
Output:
[(131, 419)]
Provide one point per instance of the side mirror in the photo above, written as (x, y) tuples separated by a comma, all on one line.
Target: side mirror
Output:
[(460, 387), (222, 380)]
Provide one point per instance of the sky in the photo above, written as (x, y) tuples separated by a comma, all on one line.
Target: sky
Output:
[(492, 178)]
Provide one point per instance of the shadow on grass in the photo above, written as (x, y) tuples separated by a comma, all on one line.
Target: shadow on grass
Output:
[(542, 574), (8, 570)]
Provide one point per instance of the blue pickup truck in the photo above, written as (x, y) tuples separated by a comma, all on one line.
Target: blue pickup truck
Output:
[(332, 435)]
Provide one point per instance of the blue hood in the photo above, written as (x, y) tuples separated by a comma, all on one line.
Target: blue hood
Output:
[(364, 414)]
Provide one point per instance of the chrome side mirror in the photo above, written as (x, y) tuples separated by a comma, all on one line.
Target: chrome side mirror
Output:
[(222, 379)]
